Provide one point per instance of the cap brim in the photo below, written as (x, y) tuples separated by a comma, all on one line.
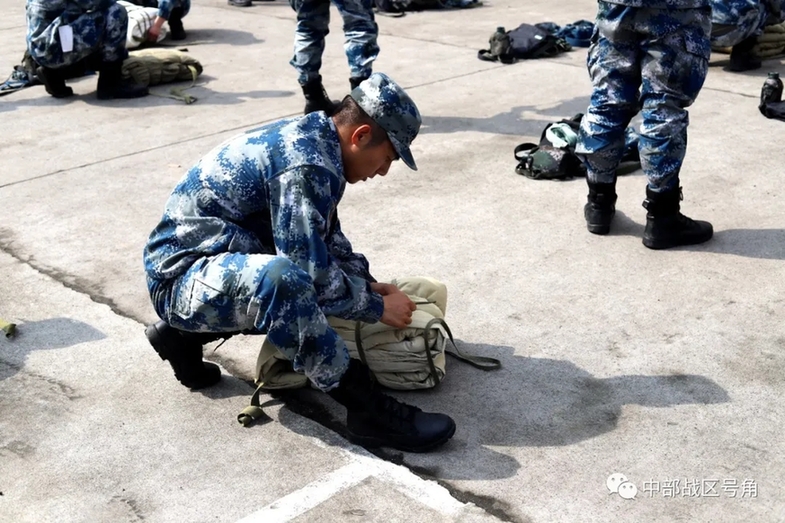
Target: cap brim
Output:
[(405, 154)]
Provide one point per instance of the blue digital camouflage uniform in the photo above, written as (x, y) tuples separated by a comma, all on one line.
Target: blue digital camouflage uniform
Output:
[(250, 239), (649, 56), (736, 20), (313, 21), (165, 7), (98, 26)]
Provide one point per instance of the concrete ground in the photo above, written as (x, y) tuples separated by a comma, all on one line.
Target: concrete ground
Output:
[(666, 367)]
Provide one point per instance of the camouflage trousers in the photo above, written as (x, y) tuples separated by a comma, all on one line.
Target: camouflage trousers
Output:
[(97, 32), (736, 20), (313, 21), (165, 7), (257, 294), (652, 61)]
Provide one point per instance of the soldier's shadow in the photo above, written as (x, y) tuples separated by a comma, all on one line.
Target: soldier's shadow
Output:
[(511, 122), (48, 334), (531, 402)]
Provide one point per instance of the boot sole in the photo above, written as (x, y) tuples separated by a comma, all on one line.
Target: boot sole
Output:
[(374, 442), (598, 229), (655, 244)]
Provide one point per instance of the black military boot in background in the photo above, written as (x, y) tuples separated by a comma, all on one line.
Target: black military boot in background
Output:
[(316, 98), (183, 351), (742, 57), (54, 82), (377, 420), (354, 81), (111, 84), (176, 29), (667, 227), (600, 207)]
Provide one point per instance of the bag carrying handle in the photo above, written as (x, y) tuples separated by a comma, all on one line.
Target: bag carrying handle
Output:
[(480, 362)]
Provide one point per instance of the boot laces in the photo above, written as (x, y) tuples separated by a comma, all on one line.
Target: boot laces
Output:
[(396, 414)]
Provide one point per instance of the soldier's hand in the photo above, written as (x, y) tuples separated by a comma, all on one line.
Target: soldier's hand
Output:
[(385, 289), (398, 310), (155, 30)]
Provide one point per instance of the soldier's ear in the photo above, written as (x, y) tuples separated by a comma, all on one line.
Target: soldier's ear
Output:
[(362, 136)]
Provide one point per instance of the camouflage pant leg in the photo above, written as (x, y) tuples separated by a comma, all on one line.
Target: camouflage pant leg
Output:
[(361, 31), (736, 20), (165, 7), (675, 62), (614, 69), (313, 25), (258, 293), (664, 53), (102, 32)]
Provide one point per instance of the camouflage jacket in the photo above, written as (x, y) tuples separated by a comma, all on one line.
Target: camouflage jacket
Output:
[(274, 190)]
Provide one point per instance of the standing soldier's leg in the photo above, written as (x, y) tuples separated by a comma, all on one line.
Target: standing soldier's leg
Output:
[(674, 67), (362, 32), (614, 68), (313, 25)]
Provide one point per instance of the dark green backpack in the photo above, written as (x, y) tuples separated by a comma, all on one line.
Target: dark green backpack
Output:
[(545, 161)]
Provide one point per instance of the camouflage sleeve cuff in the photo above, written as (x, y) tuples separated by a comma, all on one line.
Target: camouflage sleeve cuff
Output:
[(375, 309), (164, 9)]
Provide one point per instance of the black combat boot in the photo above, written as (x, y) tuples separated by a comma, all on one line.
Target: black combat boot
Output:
[(316, 98), (239, 3), (354, 81), (667, 227), (742, 57), (377, 420), (111, 84), (183, 351), (176, 29), (600, 207), (54, 82)]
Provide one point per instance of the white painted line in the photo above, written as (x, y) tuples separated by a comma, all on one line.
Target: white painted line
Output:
[(427, 492), (361, 464), (311, 495)]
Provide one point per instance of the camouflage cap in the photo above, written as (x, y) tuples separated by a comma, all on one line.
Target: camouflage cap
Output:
[(389, 105)]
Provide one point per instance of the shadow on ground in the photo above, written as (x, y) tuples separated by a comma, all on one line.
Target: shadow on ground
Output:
[(530, 402), (49, 334), (509, 122)]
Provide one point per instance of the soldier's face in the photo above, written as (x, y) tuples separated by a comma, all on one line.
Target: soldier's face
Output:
[(368, 160)]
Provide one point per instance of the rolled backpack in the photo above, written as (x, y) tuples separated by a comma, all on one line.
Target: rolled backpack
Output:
[(401, 359)]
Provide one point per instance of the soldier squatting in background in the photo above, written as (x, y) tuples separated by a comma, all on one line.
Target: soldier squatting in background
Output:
[(63, 35), (171, 11), (738, 23), (250, 241)]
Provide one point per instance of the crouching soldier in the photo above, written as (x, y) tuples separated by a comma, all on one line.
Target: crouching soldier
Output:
[(171, 11), (250, 242), (62, 34), (738, 24)]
